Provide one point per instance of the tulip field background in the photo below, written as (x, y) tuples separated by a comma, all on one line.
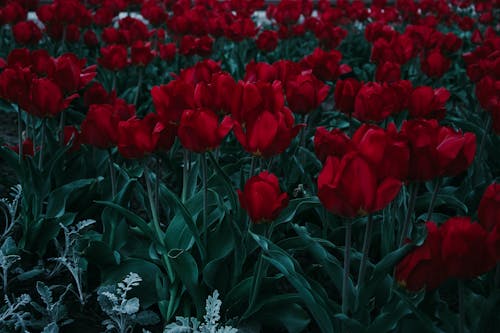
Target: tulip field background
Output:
[(241, 166)]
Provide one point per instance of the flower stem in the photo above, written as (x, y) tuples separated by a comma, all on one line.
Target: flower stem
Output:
[(20, 132), (61, 129), (139, 84), (252, 167), (433, 199), (204, 179), (112, 174), (42, 144), (409, 213), (347, 265), (366, 249), (185, 175), (461, 321)]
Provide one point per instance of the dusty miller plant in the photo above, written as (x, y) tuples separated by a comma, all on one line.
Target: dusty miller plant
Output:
[(9, 209), (210, 324), (53, 311), (15, 314), (7, 259), (124, 313), (69, 255)]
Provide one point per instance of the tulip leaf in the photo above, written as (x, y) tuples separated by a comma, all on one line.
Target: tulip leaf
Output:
[(132, 217), (380, 272), (284, 263), (295, 207), (186, 269), (188, 219), (57, 199)]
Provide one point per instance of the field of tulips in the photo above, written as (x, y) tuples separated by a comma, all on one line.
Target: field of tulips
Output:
[(243, 166)]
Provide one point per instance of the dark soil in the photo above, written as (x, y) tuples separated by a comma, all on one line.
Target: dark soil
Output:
[(8, 136)]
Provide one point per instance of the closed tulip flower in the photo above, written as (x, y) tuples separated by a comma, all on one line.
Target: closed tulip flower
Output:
[(305, 93), (423, 267), (350, 187), (489, 207), (262, 198), (200, 130)]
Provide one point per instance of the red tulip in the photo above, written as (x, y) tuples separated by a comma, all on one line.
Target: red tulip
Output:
[(426, 102), (345, 94), (171, 99), (262, 198), (385, 149), (465, 250), (305, 93), (267, 40), (113, 57), (324, 64), (455, 150), (47, 99), (331, 143), (388, 72), (435, 64), (423, 267), (200, 130), (375, 102), (100, 126), (489, 207), (26, 32), (141, 54), (269, 134), (138, 137), (349, 186)]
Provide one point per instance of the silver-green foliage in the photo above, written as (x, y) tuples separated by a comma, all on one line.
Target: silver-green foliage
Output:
[(123, 313), (210, 324)]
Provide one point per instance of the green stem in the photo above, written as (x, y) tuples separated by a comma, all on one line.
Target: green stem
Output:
[(20, 132), (112, 174), (252, 167), (113, 85), (185, 175), (42, 143), (461, 309), (483, 139), (61, 129), (409, 213), (153, 208), (139, 84), (204, 178), (366, 249), (156, 222), (433, 199), (157, 184), (347, 265)]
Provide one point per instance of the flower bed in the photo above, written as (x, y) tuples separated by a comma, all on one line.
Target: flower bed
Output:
[(202, 169)]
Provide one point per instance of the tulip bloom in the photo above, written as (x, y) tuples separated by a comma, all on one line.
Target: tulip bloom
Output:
[(138, 137), (268, 135), (262, 198), (489, 208), (423, 267), (465, 249), (349, 186), (305, 93), (200, 130), (426, 102)]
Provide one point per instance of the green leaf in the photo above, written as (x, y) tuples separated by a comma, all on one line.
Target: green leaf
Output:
[(188, 219), (286, 265), (57, 199), (295, 207), (186, 269), (380, 272), (132, 217)]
